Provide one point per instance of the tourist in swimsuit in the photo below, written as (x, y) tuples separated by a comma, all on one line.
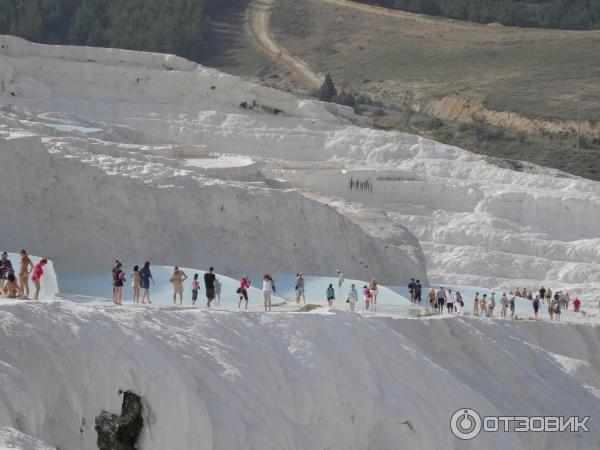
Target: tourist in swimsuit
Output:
[(177, 280), (24, 269), (373, 289), (11, 288), (36, 277), (300, 289), (135, 283), (195, 288), (267, 291)]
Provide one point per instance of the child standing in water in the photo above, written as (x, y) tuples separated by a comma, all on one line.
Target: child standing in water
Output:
[(330, 295), (352, 298), (196, 288), (135, 283)]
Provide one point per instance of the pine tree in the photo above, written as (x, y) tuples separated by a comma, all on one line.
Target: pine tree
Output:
[(328, 90)]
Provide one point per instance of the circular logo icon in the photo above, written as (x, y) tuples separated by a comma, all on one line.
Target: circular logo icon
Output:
[(465, 424)]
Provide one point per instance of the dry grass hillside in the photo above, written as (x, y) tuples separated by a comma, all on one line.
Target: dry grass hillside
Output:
[(510, 93)]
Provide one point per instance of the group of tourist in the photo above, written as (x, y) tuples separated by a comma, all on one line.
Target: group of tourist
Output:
[(369, 292), (484, 306), (17, 286), (442, 301), (141, 278)]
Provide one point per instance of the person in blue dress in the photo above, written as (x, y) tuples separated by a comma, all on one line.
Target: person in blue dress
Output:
[(145, 277)]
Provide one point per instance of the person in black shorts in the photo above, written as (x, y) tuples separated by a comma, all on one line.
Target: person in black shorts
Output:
[(417, 290), (209, 285)]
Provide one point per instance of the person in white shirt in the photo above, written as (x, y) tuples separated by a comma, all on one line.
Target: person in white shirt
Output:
[(267, 290), (458, 302), (340, 278)]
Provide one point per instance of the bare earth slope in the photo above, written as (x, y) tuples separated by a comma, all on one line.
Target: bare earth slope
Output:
[(535, 72)]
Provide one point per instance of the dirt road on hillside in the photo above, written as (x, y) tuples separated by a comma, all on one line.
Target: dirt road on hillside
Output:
[(258, 15)]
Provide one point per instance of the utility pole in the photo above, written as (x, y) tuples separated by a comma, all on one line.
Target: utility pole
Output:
[(579, 121)]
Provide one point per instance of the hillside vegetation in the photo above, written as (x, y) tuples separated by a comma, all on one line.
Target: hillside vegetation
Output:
[(170, 26), (506, 92), (565, 14)]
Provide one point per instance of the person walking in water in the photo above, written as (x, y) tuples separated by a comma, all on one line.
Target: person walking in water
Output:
[(476, 305), (511, 306), (557, 309), (195, 288), (492, 305), (209, 285), (418, 291), (24, 269), (368, 297), (267, 290), (450, 302), (177, 280), (566, 300), (503, 305), (217, 292), (352, 297), (374, 291), (340, 278), (432, 299), (411, 290), (300, 289), (483, 305), (145, 278), (243, 290), (458, 302), (330, 295), (135, 283), (118, 282), (550, 308), (441, 299), (576, 304), (536, 306)]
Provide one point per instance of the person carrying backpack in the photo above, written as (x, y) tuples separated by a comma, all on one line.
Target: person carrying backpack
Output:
[(330, 295)]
